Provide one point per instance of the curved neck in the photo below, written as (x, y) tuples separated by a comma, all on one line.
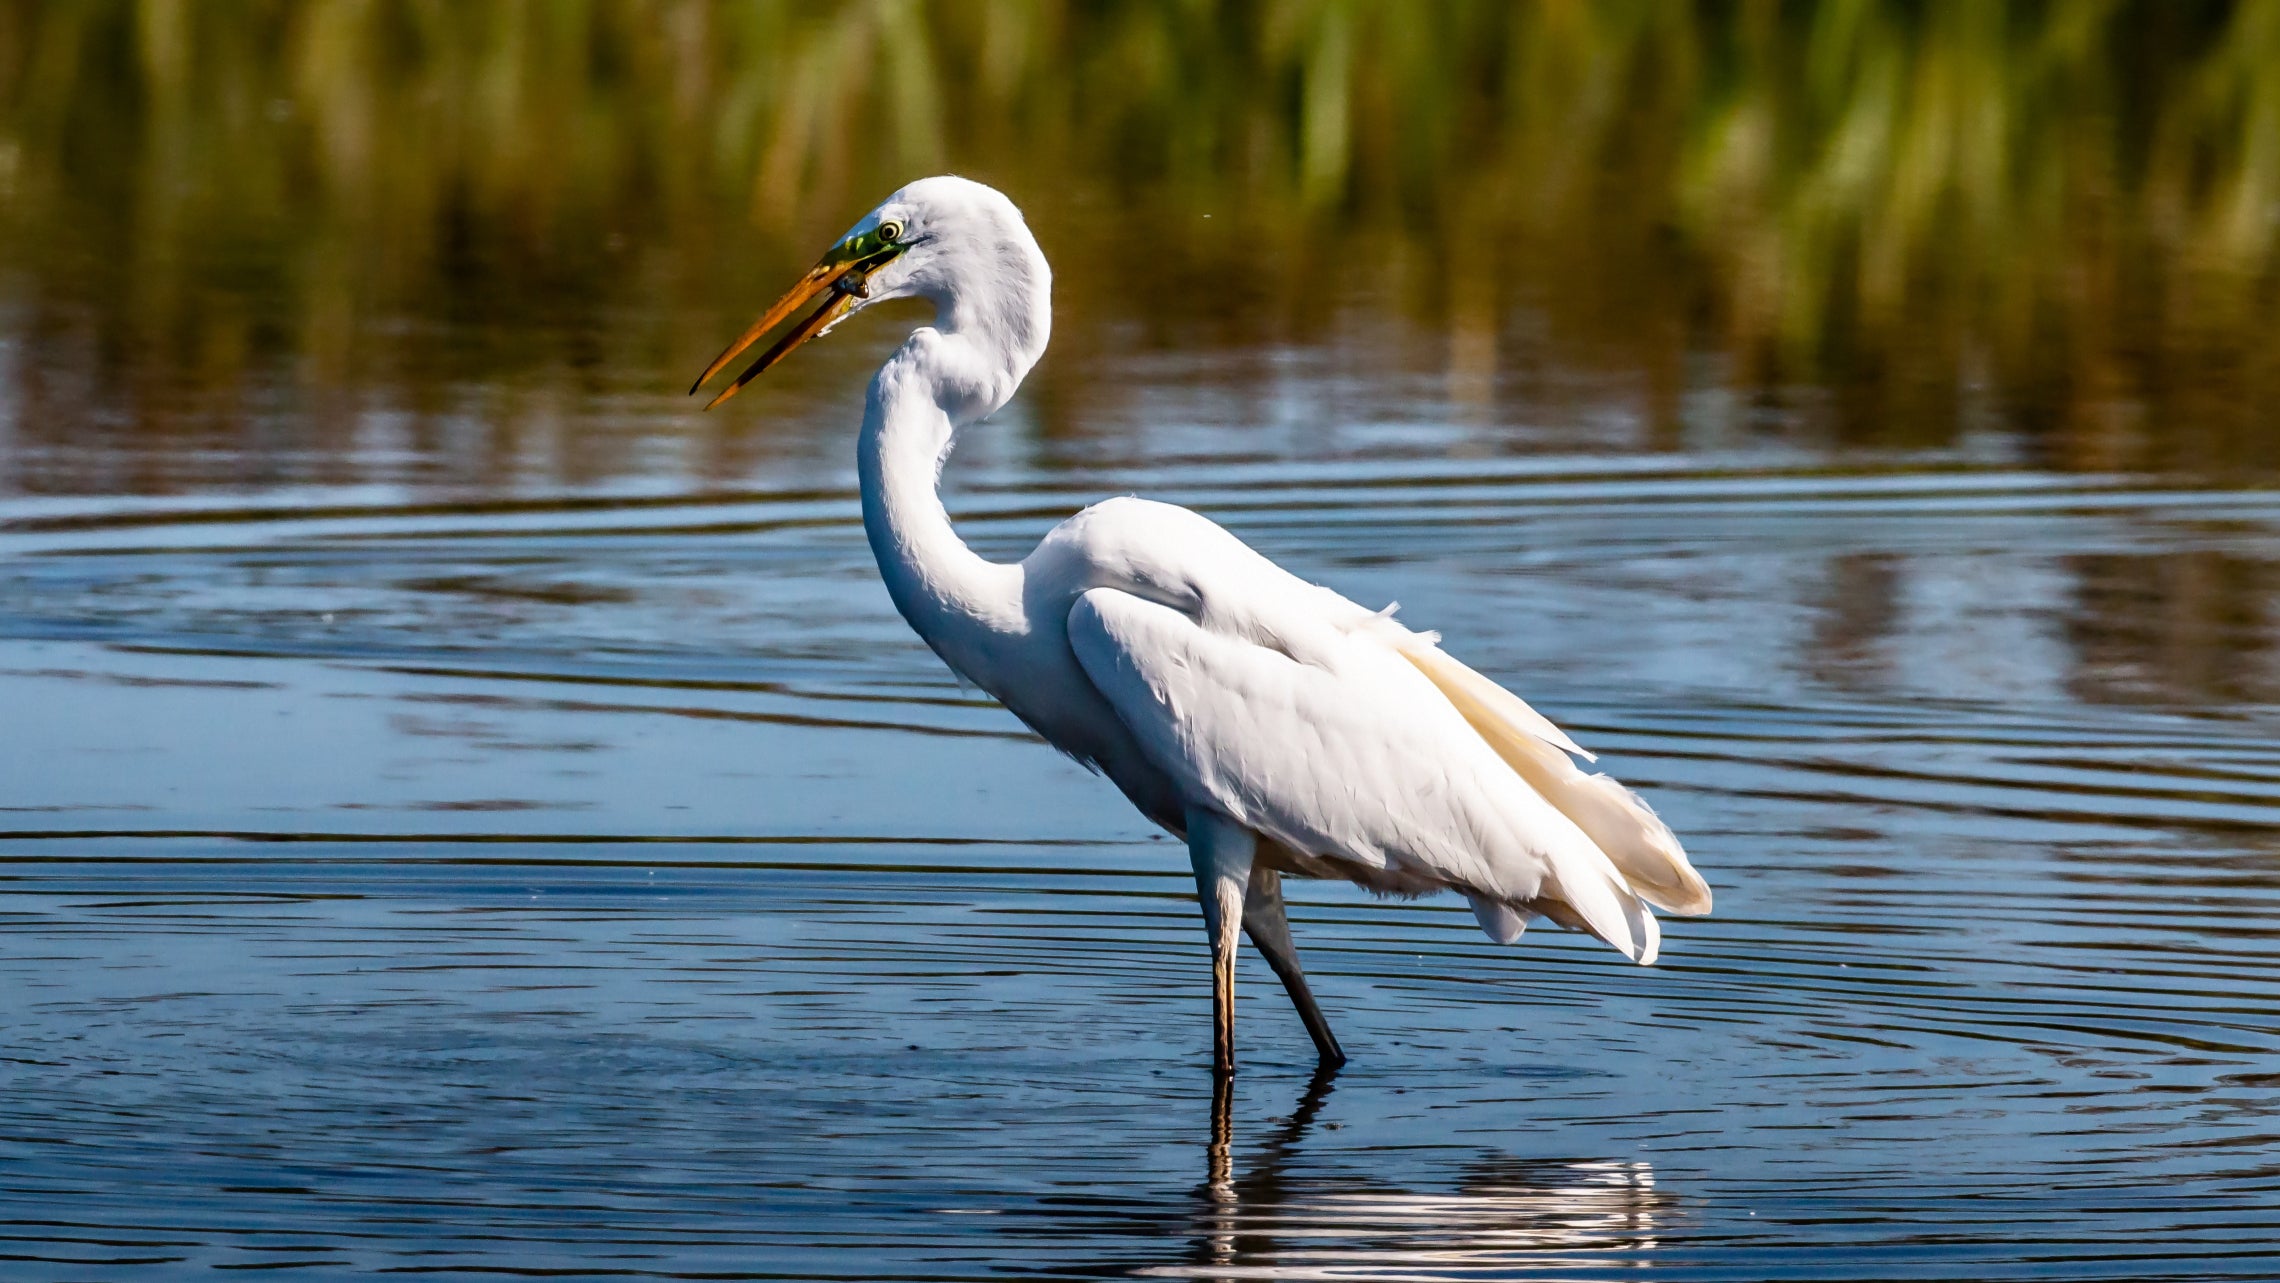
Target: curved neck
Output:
[(951, 595), (992, 294)]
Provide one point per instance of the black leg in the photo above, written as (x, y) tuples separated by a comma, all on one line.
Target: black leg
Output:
[(1269, 928)]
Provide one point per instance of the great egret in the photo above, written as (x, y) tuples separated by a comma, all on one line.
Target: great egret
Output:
[(1275, 725)]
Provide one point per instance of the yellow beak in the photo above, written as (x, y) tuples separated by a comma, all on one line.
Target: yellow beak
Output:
[(823, 278)]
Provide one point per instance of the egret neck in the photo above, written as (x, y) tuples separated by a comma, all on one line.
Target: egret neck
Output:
[(991, 327)]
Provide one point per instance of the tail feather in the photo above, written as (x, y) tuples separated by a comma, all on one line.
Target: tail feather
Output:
[(1617, 820), (1606, 911), (1500, 921)]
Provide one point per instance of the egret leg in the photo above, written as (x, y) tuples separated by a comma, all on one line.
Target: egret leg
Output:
[(1221, 851), (1269, 927)]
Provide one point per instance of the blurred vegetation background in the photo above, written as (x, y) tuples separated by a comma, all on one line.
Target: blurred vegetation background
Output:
[(1867, 222)]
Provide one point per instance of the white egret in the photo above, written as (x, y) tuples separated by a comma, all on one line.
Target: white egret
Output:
[(1276, 726)]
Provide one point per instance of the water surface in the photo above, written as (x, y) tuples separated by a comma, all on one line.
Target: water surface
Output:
[(463, 811), (613, 887)]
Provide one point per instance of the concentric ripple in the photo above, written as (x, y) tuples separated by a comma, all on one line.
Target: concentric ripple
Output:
[(611, 887)]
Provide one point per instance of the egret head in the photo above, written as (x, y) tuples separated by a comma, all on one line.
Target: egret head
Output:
[(952, 240)]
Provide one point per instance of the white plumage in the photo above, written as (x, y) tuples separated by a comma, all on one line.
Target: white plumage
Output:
[(1279, 727)]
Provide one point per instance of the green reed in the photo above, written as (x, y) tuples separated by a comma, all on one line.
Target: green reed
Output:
[(1901, 217)]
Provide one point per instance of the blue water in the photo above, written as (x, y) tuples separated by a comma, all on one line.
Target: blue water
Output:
[(603, 883)]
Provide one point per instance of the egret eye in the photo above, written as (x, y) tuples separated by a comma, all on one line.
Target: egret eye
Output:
[(890, 231)]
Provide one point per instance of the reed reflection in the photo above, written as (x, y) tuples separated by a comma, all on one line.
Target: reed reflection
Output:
[(1271, 1211), (2175, 627)]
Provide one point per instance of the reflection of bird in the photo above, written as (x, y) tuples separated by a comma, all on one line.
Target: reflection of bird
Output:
[(1277, 726), (1299, 1207), (1284, 1216)]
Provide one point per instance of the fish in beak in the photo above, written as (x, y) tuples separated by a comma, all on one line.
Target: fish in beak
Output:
[(843, 276)]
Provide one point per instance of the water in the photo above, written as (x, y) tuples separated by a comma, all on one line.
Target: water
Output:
[(611, 887), (465, 812)]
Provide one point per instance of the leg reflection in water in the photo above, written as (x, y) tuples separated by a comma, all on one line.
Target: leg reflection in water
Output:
[(1223, 1197), (1283, 1210)]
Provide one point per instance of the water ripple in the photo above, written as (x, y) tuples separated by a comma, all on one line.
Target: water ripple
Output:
[(609, 886)]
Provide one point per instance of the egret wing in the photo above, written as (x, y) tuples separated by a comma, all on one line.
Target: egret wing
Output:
[(1329, 740)]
